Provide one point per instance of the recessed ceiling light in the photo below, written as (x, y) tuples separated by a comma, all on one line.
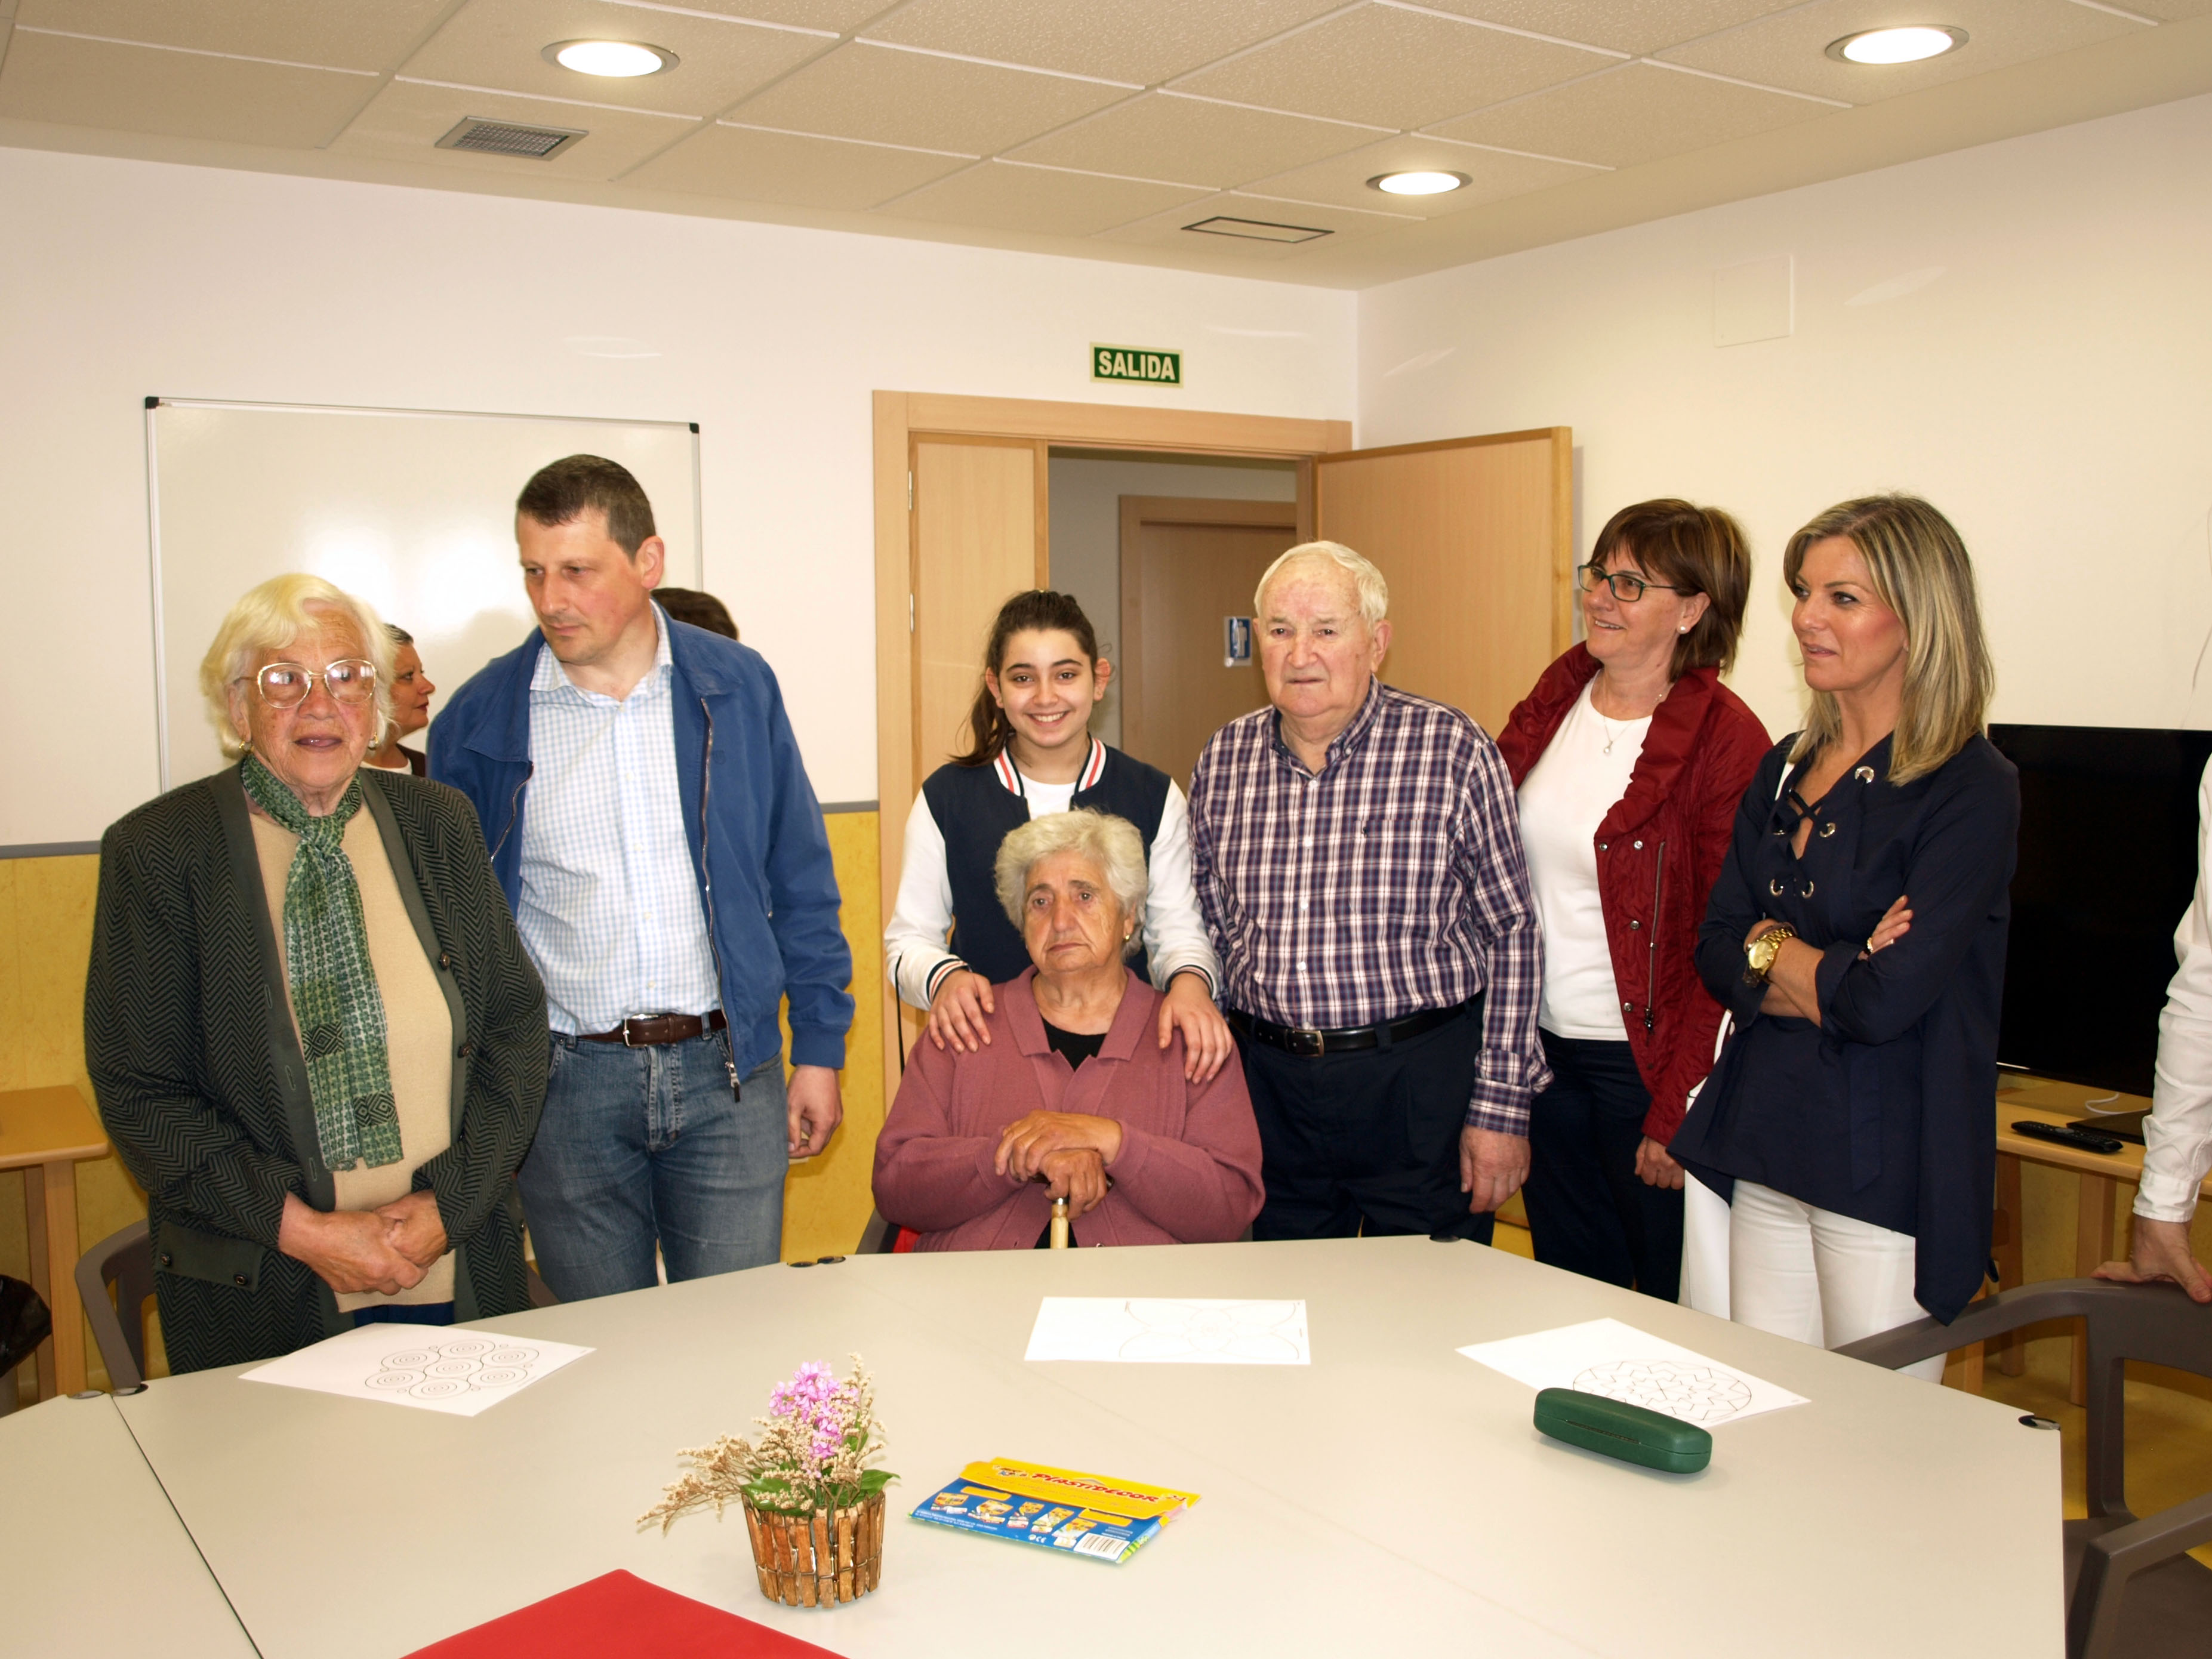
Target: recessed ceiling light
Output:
[(1417, 183), (615, 59), (1905, 46)]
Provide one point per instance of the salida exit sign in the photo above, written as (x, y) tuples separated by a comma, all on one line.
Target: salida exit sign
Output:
[(1144, 364)]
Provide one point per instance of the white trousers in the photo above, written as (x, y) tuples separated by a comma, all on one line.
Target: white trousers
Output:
[(1816, 1276)]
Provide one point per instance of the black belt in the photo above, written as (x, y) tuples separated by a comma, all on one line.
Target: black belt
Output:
[(1304, 1041), (651, 1031)]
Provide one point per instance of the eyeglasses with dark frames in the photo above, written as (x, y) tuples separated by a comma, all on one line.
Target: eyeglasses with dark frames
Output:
[(1626, 589), (287, 684)]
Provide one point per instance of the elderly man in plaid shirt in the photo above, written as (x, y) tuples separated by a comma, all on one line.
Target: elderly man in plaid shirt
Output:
[(1359, 860)]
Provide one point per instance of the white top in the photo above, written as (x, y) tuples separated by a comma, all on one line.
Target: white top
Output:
[(2177, 1134), (610, 913), (1563, 799), (915, 956)]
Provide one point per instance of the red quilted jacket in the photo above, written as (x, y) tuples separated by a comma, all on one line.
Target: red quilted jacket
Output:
[(1659, 852)]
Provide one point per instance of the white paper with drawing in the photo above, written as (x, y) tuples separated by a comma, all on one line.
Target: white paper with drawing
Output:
[(1170, 1331), (1608, 1358), (431, 1367)]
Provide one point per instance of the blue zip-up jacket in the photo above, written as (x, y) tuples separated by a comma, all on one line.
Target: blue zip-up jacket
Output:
[(757, 839)]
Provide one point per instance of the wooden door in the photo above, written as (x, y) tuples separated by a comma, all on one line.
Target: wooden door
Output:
[(979, 536), (1475, 537), (1186, 567)]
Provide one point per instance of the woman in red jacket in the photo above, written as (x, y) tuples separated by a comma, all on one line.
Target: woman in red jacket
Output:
[(1631, 758)]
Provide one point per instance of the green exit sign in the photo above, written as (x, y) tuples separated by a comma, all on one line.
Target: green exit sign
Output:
[(1139, 364)]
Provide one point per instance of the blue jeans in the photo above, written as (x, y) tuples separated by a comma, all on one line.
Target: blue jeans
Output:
[(639, 1145)]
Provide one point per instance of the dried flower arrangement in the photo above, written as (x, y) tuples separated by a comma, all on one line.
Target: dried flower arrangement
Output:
[(821, 1437)]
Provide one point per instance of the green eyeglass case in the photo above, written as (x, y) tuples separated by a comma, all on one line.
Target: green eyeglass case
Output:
[(1620, 1430)]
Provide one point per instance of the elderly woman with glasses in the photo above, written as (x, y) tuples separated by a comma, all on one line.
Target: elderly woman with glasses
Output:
[(313, 1035), (1630, 757), (1068, 1094)]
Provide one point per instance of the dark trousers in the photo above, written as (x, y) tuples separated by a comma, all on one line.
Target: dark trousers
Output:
[(1588, 1213), (1367, 1142)]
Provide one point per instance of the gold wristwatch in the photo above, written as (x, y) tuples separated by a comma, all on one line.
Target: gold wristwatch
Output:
[(1759, 955)]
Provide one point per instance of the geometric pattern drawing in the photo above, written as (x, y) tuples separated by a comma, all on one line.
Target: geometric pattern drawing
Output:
[(1267, 1331), (1703, 1395), (443, 1370)]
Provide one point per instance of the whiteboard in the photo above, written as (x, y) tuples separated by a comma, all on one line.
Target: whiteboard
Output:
[(412, 510)]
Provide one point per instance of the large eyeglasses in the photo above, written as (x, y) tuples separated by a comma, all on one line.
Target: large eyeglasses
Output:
[(288, 684), (1625, 588)]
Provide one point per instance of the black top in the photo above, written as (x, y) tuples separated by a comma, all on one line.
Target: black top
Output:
[(1883, 1112), (1077, 1046), (977, 808)]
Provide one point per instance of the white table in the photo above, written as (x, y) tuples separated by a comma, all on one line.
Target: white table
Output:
[(1391, 1487), (92, 1560)]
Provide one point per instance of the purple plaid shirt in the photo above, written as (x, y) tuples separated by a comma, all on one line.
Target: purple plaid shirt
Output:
[(1391, 882)]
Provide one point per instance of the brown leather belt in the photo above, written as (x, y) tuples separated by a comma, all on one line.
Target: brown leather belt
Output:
[(1310, 1044), (651, 1031)]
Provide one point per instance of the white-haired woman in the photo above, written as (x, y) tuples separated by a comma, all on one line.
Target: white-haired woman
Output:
[(1856, 934), (1070, 1099), (313, 1032)]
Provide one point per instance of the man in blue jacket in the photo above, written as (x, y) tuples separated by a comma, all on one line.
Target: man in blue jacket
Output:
[(652, 826)]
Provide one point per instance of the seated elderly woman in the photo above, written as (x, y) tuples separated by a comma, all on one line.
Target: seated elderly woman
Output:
[(1072, 1094), (314, 1037)]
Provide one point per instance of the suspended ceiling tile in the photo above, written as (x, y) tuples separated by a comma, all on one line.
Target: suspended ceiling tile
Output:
[(1256, 217), (1165, 136), (336, 34), (1789, 50), (1624, 25), (1392, 68), (501, 44), (403, 123), (1139, 40), (1006, 196), (1638, 112), (894, 97), (746, 165), (1342, 180), (836, 16), (91, 83)]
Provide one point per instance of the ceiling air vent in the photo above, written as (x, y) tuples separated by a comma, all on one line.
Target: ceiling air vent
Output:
[(507, 138), (1257, 230)]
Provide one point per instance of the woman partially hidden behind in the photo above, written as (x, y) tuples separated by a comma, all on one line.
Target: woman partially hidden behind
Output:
[(1858, 936), (1069, 1094), (314, 1037)]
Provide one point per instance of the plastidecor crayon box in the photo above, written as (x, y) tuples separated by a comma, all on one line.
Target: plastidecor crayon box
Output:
[(1058, 1509)]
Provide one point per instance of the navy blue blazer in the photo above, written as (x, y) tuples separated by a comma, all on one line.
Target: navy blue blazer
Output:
[(758, 842), (1885, 1111)]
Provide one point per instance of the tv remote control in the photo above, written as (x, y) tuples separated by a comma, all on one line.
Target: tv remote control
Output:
[(2086, 1140)]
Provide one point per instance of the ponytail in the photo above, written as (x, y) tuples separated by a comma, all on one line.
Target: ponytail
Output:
[(1034, 608)]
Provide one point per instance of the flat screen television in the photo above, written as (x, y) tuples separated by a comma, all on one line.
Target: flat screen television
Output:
[(2107, 865)]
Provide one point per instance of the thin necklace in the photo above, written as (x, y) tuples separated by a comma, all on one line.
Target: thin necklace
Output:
[(1611, 731)]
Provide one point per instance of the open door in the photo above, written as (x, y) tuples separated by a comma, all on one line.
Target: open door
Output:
[(979, 536), (1476, 539)]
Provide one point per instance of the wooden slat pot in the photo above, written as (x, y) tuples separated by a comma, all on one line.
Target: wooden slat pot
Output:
[(820, 1560)]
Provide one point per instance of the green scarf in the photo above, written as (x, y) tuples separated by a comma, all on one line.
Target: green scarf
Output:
[(334, 994)]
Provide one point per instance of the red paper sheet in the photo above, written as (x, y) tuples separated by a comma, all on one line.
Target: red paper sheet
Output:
[(620, 1616)]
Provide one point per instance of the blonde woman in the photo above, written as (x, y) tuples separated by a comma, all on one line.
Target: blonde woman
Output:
[(314, 1037), (1856, 935)]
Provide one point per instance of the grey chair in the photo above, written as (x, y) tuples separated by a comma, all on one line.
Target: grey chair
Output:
[(124, 1260), (2133, 1590)]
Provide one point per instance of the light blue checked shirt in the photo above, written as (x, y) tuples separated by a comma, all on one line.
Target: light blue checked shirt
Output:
[(610, 913)]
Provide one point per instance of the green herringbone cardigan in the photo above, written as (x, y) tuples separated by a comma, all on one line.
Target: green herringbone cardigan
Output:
[(190, 1042)]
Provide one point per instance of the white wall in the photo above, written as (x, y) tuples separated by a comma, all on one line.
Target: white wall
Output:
[(2042, 371), (119, 279), (1085, 505)]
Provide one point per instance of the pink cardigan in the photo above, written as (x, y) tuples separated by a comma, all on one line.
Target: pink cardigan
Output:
[(1187, 1173)]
